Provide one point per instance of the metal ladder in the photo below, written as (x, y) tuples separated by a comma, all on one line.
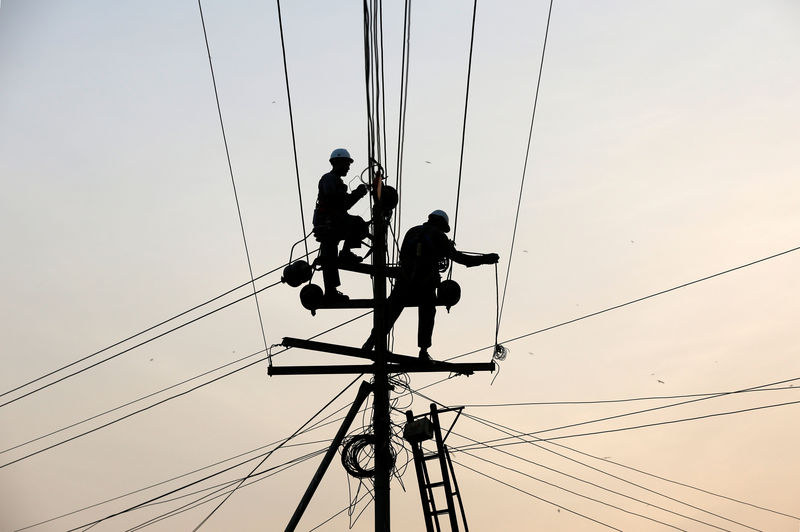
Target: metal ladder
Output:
[(422, 428)]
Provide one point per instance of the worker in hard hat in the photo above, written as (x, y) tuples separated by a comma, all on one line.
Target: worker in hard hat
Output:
[(424, 255), (333, 224)]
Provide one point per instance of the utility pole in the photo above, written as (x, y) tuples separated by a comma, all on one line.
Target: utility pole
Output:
[(380, 413), (384, 361)]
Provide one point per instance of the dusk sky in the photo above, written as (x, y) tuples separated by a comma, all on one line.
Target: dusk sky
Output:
[(664, 151)]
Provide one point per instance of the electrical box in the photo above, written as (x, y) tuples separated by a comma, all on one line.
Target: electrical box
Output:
[(418, 430)]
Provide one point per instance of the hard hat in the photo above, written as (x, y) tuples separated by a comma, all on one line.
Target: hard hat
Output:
[(438, 213), (340, 153)]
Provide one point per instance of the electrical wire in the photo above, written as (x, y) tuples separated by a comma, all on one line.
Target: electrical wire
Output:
[(505, 429), (283, 442), (401, 121), (646, 425), (662, 407), (525, 165), (509, 485), (185, 392), (701, 490), (95, 364), (626, 400), (233, 181), (631, 302), (291, 124), (143, 331), (276, 448), (221, 487), (464, 126), (587, 497), (492, 425)]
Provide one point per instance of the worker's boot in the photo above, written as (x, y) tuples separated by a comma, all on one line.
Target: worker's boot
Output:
[(424, 356), (346, 256)]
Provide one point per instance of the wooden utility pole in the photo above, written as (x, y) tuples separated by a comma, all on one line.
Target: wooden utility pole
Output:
[(380, 410), (384, 363)]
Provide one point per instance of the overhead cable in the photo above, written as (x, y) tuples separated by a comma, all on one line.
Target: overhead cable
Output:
[(233, 181), (143, 331), (86, 368), (504, 429), (587, 497), (509, 485), (291, 125), (503, 451), (525, 165), (464, 125), (631, 302), (180, 394), (677, 483), (642, 426), (626, 400), (284, 441), (329, 403)]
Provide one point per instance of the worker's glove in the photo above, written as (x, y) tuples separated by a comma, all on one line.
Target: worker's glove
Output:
[(491, 258), (360, 190)]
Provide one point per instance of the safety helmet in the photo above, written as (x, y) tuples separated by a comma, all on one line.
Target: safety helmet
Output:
[(441, 217), (340, 153)]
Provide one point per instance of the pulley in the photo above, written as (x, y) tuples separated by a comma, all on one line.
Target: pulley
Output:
[(389, 197), (448, 293), (296, 273), (311, 296)]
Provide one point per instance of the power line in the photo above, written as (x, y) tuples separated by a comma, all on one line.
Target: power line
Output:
[(707, 492), (143, 331), (535, 496), (464, 126), (627, 400), (631, 302), (495, 426), (275, 449), (525, 165), (492, 425), (264, 475), (646, 425), (201, 385), (51, 383), (233, 181), (221, 487), (291, 125), (284, 441), (139, 490), (653, 409), (582, 495)]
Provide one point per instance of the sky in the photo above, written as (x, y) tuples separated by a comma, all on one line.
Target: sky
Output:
[(664, 150)]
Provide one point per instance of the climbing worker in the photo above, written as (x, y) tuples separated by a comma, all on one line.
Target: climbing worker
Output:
[(333, 224), (424, 254)]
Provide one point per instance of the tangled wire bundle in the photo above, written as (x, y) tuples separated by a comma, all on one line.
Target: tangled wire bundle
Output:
[(357, 449)]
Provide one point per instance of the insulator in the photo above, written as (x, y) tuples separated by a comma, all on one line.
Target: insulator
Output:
[(389, 197), (311, 297), (448, 293), (296, 273)]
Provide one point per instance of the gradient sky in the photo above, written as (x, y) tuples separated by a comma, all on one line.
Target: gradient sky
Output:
[(664, 150)]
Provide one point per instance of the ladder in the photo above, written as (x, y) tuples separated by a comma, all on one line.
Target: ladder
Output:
[(422, 428)]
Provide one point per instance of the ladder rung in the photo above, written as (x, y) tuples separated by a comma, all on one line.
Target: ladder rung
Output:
[(435, 484), (442, 512), (431, 456)]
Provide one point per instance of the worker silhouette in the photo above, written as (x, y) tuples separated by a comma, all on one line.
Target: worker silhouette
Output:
[(333, 224), (424, 254)]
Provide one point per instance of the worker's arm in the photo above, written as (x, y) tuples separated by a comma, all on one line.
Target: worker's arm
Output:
[(470, 260), (353, 197)]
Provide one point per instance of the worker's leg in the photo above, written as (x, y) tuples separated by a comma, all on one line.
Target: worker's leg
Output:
[(394, 307), (330, 271), (427, 315), (354, 230)]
